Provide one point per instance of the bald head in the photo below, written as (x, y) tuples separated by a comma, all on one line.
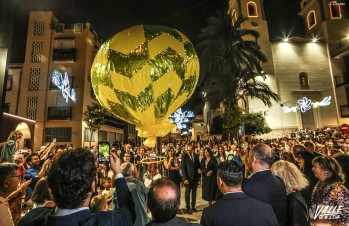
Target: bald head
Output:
[(163, 200), (264, 154)]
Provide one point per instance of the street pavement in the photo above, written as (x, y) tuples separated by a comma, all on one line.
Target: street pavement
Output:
[(200, 205)]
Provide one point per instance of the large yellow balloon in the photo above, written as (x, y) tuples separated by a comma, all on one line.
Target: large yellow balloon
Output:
[(143, 74)]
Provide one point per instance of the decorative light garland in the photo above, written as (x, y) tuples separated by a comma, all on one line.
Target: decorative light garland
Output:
[(305, 104), (63, 84), (181, 118)]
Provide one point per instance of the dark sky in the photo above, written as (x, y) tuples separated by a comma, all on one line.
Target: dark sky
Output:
[(108, 17), (111, 16)]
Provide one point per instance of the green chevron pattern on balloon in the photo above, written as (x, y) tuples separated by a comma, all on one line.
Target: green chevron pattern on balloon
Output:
[(143, 69)]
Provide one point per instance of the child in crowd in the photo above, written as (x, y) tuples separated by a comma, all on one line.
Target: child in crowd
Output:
[(98, 203), (108, 192)]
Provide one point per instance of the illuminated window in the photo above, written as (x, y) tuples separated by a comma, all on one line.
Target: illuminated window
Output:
[(252, 9), (335, 10), (311, 18), (234, 17)]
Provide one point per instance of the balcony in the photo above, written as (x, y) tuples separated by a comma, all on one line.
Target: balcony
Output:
[(114, 122), (64, 54), (59, 113), (344, 111)]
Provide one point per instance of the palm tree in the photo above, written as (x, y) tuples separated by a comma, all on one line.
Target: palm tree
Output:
[(225, 47), (231, 63), (231, 68)]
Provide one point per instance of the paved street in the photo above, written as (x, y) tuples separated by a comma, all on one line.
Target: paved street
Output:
[(200, 205)]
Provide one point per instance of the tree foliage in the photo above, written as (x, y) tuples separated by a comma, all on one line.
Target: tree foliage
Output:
[(94, 118), (255, 123), (231, 68)]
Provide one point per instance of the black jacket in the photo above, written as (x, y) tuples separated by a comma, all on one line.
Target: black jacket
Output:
[(236, 209), (190, 168), (266, 187), (173, 222), (124, 216)]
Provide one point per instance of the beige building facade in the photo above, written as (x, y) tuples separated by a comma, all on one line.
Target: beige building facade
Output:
[(56, 103), (315, 66)]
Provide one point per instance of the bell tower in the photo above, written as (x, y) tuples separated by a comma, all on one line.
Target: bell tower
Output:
[(253, 11), (327, 21)]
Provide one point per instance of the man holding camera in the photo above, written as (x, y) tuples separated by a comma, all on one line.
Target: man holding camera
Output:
[(72, 180)]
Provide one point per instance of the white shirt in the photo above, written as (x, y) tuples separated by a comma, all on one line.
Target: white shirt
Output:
[(64, 212)]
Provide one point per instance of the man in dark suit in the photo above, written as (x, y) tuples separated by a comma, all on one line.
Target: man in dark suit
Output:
[(262, 184), (191, 170), (163, 202), (72, 179), (235, 207)]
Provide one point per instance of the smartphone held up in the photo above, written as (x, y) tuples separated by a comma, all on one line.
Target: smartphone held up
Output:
[(103, 152)]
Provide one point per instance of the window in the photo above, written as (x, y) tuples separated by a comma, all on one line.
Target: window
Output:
[(87, 135), (59, 28), (252, 9), (102, 135), (66, 44), (62, 134), (112, 137), (61, 102), (335, 10), (78, 28), (311, 18), (9, 83), (303, 79)]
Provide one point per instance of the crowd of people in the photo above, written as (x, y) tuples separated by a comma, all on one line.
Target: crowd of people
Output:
[(298, 179)]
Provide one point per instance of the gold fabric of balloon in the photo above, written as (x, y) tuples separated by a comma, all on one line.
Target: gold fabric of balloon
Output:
[(143, 74)]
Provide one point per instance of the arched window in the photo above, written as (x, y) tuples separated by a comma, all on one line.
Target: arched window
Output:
[(252, 9), (303, 79), (234, 17), (335, 10), (311, 18)]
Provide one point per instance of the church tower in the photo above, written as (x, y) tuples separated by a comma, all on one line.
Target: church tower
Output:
[(254, 12)]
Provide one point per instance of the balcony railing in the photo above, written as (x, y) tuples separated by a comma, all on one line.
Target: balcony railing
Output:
[(344, 111), (114, 122), (59, 113), (64, 54)]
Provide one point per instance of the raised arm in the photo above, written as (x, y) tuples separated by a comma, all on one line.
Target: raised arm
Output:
[(124, 196)]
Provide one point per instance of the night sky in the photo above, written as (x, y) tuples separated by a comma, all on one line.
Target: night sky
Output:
[(108, 17)]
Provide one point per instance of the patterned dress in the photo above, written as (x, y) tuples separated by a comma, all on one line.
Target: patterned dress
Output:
[(332, 202)]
